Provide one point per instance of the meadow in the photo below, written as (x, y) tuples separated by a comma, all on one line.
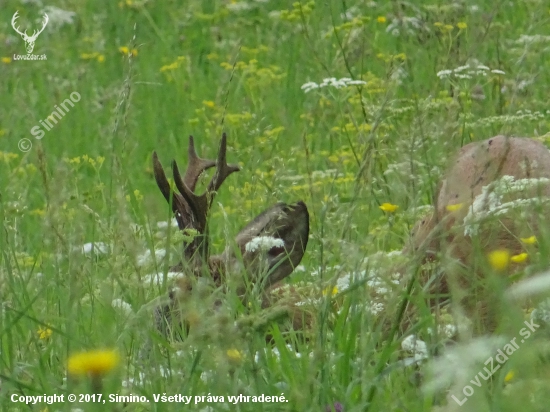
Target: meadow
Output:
[(353, 106)]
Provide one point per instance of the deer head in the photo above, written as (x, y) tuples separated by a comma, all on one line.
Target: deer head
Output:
[(266, 250), (494, 193), (29, 40)]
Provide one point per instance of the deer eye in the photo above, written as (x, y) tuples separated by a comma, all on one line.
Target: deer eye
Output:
[(276, 251)]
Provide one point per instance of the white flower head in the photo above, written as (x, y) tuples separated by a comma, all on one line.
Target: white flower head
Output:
[(263, 243), (461, 362), (415, 346), (146, 257), (376, 308), (342, 283), (123, 306), (58, 17), (332, 82), (532, 286), (94, 248), (542, 312), (490, 202), (164, 224), (159, 276), (468, 71)]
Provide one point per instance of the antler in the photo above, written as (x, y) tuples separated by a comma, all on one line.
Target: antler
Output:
[(191, 210)]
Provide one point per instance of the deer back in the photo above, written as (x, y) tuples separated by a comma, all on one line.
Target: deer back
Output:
[(494, 193), (469, 191)]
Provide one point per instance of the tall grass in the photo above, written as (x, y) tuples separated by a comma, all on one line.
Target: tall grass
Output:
[(151, 73)]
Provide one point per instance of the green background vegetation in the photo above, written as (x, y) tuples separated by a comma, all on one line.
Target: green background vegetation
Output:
[(203, 67)]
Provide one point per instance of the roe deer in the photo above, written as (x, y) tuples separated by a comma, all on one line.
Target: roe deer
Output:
[(493, 195), (270, 246)]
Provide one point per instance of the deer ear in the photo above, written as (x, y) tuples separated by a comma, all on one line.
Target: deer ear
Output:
[(274, 243)]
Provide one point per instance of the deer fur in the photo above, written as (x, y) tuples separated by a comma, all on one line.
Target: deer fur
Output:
[(462, 229), (242, 265)]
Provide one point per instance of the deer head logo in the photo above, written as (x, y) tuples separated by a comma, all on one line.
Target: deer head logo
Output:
[(29, 40)]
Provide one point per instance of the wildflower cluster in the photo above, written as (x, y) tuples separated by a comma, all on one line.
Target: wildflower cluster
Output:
[(468, 71), (99, 57), (507, 119), (264, 243), (297, 13), (353, 23), (332, 82), (254, 73), (491, 201), (167, 68), (125, 50)]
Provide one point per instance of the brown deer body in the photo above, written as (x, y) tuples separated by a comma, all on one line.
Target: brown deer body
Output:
[(494, 194), (265, 252)]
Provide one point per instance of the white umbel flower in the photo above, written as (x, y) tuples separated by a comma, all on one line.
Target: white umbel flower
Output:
[(263, 243)]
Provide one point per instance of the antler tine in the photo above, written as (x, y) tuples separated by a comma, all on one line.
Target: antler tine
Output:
[(222, 170), (197, 204), (160, 177), (200, 204), (195, 166), (162, 182)]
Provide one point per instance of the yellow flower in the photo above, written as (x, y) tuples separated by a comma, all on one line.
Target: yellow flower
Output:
[(44, 333), (529, 240), (509, 376), (388, 207), (332, 292), (6, 60), (454, 208), (381, 19), (89, 56), (37, 212), (167, 67), (499, 259), (234, 355), (95, 362), (209, 103), (461, 25), (137, 195), (126, 50), (519, 258), (101, 58)]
